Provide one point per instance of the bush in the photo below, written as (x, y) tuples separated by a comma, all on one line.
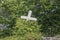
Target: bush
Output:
[(22, 27)]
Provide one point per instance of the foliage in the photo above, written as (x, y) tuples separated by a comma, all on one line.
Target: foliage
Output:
[(46, 11), (49, 18), (28, 36), (22, 27)]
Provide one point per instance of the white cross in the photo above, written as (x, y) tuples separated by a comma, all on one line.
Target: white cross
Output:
[(29, 16)]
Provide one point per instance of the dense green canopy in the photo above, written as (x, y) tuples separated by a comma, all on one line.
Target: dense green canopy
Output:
[(46, 11)]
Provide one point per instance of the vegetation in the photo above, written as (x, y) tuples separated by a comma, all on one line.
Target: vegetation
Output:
[(46, 11)]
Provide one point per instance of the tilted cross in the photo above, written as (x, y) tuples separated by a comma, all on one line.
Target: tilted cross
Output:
[(29, 16)]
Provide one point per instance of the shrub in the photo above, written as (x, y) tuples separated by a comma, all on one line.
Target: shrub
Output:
[(22, 27)]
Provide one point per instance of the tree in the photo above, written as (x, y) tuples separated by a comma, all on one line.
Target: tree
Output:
[(48, 15)]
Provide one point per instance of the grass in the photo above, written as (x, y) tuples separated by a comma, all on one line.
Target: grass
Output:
[(25, 37), (13, 38)]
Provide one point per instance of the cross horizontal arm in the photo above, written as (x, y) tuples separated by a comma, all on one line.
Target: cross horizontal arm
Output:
[(31, 18), (24, 17)]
